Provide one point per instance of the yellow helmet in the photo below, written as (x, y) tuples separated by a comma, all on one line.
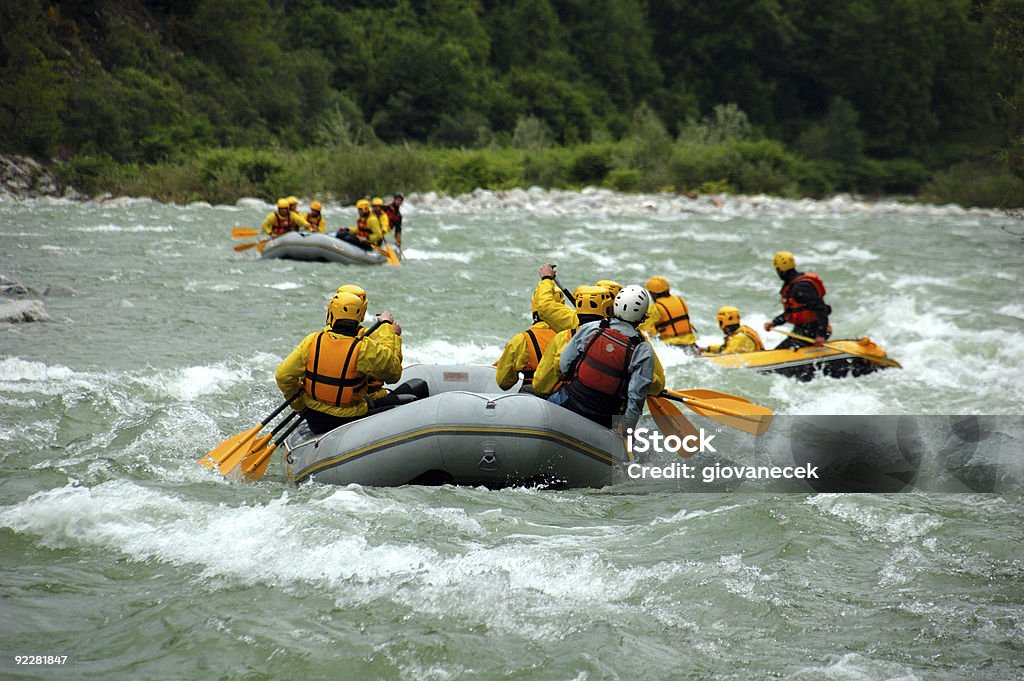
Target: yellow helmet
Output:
[(594, 300), (282, 203), (316, 205), (292, 201), (784, 261), (657, 285), (613, 286), (363, 204), (357, 291), (728, 316), (345, 306), (377, 201)]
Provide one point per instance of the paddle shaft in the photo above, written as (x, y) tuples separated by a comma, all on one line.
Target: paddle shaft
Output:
[(711, 407)]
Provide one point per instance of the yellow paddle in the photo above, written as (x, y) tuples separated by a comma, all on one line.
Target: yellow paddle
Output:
[(874, 359), (670, 420), (244, 233), (253, 244), (254, 466), (729, 410), (388, 253), (229, 453)]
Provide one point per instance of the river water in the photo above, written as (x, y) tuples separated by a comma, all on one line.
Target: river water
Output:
[(121, 553)]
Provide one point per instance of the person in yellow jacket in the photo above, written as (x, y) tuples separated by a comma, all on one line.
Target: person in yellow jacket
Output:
[(377, 207), (366, 231), (315, 218), (283, 220), (669, 317), (593, 303), (333, 367), (521, 355), (548, 302), (738, 338)]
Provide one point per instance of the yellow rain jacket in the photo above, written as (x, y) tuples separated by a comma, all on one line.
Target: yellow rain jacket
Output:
[(548, 378), (521, 355), (373, 233), (385, 222), (297, 222), (380, 356), (667, 308), (548, 301), (743, 339), (315, 224)]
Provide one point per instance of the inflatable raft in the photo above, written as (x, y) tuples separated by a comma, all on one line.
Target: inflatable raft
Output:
[(322, 247), (467, 432), (837, 359)]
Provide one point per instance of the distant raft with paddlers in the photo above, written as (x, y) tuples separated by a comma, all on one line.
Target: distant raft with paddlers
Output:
[(467, 432), (317, 246), (836, 359)]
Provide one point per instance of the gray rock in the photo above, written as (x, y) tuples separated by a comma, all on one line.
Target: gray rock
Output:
[(59, 290), (14, 311)]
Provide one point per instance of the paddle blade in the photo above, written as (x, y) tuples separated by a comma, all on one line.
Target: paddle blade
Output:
[(226, 449), (748, 423), (255, 465), (236, 457), (671, 421), (392, 258), (243, 233)]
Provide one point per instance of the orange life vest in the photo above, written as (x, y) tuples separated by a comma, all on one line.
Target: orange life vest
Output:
[(675, 317), (796, 313), (600, 376), (363, 228), (539, 339), (331, 374), (281, 225)]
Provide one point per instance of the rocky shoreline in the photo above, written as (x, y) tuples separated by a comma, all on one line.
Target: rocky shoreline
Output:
[(22, 177)]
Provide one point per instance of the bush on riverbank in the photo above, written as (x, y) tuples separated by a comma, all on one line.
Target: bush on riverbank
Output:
[(347, 172)]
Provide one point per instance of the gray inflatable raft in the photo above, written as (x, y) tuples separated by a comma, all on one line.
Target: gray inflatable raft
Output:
[(322, 247), (468, 432)]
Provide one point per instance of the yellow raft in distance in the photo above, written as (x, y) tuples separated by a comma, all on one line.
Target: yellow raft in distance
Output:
[(836, 359)]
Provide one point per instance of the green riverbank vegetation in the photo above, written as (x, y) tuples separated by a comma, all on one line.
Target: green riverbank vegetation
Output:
[(218, 99)]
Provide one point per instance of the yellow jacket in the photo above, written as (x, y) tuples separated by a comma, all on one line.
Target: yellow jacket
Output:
[(651, 321), (385, 222), (548, 301), (380, 357), (515, 358), (548, 375), (297, 222), (320, 227), (740, 340), (372, 224)]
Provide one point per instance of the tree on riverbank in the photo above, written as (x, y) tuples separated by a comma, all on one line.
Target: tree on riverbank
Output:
[(864, 96)]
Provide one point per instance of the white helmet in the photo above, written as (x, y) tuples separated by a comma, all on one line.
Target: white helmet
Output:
[(631, 304)]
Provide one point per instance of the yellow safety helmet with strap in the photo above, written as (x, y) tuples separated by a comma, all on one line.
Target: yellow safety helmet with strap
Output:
[(728, 316), (784, 261), (293, 201), (357, 291), (377, 201), (282, 203), (613, 286), (345, 306), (316, 205), (363, 204), (593, 300), (657, 285)]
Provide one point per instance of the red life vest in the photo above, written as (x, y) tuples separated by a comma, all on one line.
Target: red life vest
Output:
[(539, 339), (281, 225), (600, 376), (796, 313), (675, 317), (331, 374)]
